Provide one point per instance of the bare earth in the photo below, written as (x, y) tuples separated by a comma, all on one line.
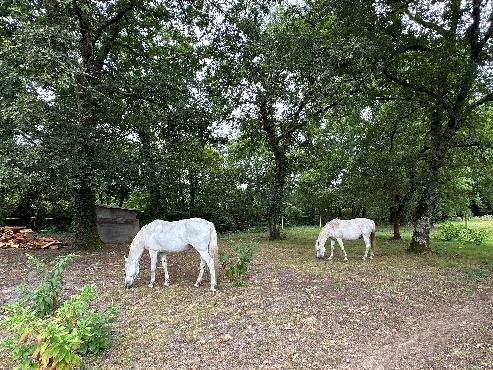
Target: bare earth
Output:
[(296, 312)]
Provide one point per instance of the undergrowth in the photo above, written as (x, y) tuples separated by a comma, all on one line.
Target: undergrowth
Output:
[(48, 333), (235, 265)]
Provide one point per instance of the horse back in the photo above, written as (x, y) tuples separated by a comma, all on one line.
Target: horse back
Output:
[(177, 236), (349, 229)]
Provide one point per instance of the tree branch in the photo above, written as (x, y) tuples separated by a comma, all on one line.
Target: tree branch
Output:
[(114, 26), (115, 19), (488, 33), (411, 86), (485, 99), (429, 25), (474, 30), (86, 32), (475, 144), (134, 95)]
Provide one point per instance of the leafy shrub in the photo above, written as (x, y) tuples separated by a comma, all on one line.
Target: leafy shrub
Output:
[(44, 298), (47, 335), (236, 266), (453, 231)]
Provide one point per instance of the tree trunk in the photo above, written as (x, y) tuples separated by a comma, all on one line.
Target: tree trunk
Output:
[(276, 200), (423, 220), (420, 241), (150, 173), (397, 213), (280, 172), (25, 209), (84, 222), (1, 208), (397, 230), (95, 46)]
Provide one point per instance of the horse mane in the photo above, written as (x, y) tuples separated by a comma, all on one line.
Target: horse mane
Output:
[(137, 245)]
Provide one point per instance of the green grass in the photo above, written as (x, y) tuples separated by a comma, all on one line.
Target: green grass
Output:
[(452, 267), (306, 236)]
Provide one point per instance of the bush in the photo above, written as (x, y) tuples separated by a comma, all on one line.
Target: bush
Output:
[(45, 335), (44, 298), (453, 231), (236, 266)]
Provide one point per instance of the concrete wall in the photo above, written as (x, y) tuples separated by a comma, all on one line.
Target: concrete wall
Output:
[(117, 225)]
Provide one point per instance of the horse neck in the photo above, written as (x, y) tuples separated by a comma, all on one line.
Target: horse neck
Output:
[(136, 250), (322, 239), (327, 231)]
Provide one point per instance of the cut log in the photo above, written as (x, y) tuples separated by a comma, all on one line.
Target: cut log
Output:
[(27, 234), (22, 237), (50, 244), (14, 229)]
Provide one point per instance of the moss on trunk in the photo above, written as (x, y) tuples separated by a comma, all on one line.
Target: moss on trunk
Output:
[(84, 225)]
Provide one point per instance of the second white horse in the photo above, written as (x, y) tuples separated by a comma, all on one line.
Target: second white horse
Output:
[(346, 230)]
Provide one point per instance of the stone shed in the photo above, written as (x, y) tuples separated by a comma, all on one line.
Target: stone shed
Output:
[(117, 225)]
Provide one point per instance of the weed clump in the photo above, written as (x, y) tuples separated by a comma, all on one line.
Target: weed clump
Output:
[(48, 333), (235, 265)]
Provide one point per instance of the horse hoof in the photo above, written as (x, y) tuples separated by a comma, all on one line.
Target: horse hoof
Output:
[(150, 285), (166, 283), (196, 285)]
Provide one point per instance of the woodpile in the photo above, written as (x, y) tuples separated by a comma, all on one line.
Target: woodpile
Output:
[(21, 237)]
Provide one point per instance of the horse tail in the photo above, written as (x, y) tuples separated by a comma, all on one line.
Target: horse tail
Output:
[(373, 240), (213, 248)]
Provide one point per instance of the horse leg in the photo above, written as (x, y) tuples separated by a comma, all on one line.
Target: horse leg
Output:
[(331, 249), (212, 272), (206, 258), (164, 262), (153, 255), (366, 238), (201, 272), (341, 244)]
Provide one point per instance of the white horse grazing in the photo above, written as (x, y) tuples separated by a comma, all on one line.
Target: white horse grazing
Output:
[(161, 236), (346, 230)]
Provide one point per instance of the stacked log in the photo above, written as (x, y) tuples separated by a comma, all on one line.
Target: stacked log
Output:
[(22, 237)]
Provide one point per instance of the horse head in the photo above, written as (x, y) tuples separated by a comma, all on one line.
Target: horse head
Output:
[(131, 271)]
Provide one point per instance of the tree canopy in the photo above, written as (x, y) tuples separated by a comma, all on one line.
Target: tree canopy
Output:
[(243, 112)]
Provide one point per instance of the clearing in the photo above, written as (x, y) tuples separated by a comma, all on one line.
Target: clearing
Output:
[(398, 311)]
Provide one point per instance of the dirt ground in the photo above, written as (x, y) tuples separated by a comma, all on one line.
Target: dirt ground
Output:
[(295, 312)]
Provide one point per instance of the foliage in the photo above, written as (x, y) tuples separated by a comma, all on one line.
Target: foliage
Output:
[(453, 231), (236, 266), (44, 298), (126, 104), (48, 334)]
